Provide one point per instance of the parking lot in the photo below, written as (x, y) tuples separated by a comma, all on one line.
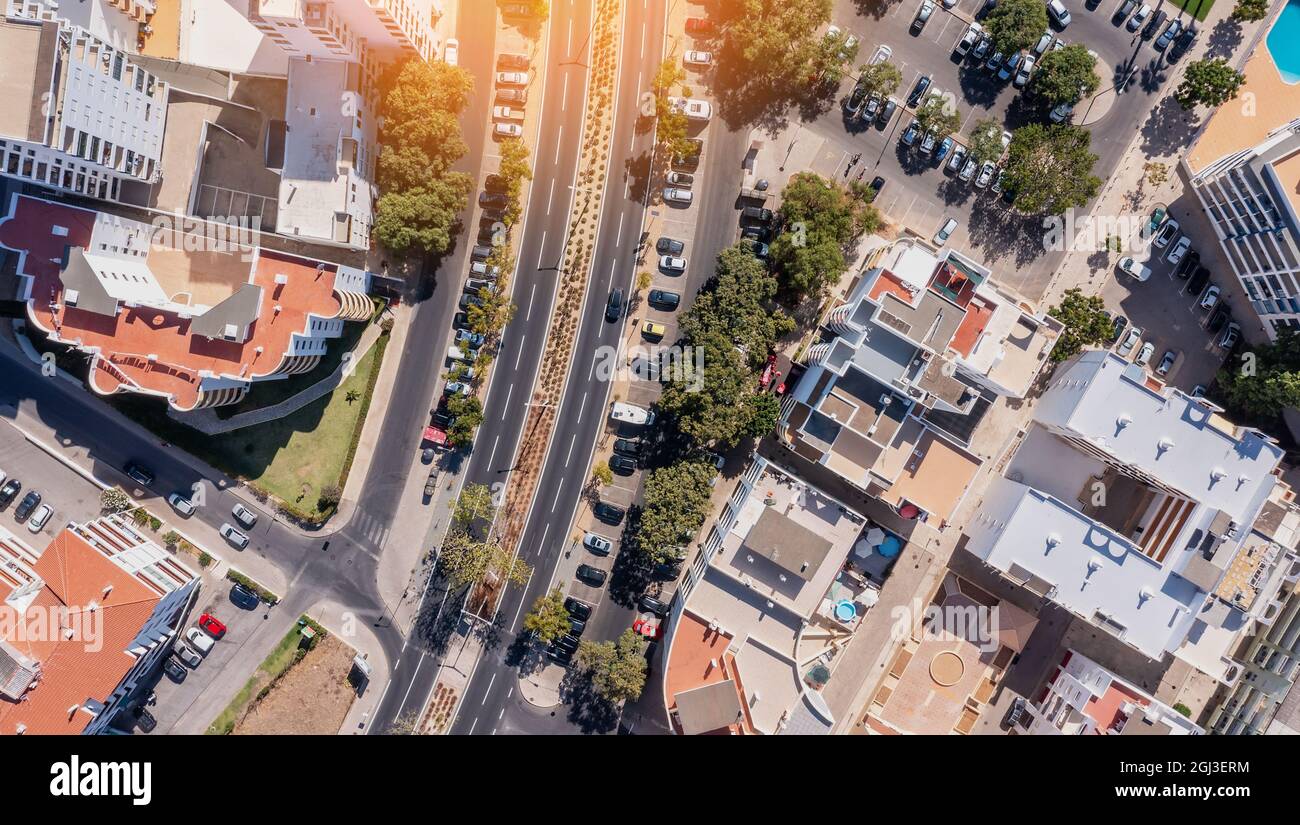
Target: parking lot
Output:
[(920, 195), (73, 498)]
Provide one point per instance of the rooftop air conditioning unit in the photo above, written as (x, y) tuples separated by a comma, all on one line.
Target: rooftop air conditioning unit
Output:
[(281, 278)]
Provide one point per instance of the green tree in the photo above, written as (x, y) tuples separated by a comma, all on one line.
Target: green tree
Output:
[(1015, 25), (1049, 168), (422, 220), (671, 124), (468, 412), (548, 620), (1066, 75), (777, 40), (1247, 11), (675, 502), (986, 140), (473, 503), (114, 500), (1208, 82), (938, 115), (601, 474), (1085, 321), (820, 219), (880, 79), (1262, 382), (513, 171), (464, 560), (616, 670)]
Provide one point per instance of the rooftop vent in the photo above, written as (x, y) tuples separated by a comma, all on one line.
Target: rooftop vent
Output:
[(281, 278), (1123, 420)]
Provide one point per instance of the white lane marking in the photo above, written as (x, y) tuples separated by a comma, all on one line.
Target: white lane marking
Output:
[(493, 454), (472, 726), (407, 695), (509, 393), (569, 48), (531, 296), (521, 352), (543, 542), (558, 143), (549, 196), (582, 408), (515, 622), (491, 682), (610, 285), (557, 498), (542, 250), (564, 95), (618, 241), (569, 454)]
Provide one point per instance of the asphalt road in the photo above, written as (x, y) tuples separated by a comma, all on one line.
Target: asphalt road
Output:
[(581, 417)]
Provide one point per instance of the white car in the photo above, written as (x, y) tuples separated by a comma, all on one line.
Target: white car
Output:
[(1144, 354), (181, 504), (230, 534), (199, 640), (677, 195), (671, 264), (693, 109), (882, 54), (945, 232), (246, 516), (967, 41), (1210, 298), (1130, 266), (1168, 231), (451, 52), (597, 544), (1026, 68), (1176, 254), (512, 78), (508, 130), (506, 113), (1130, 341), (40, 518), (986, 175), (700, 59)]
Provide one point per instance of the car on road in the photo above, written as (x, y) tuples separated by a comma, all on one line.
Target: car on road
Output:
[(212, 626), (674, 194), (1171, 31), (1026, 68), (591, 575), (243, 597), (188, 656), (698, 59), (664, 299), (599, 545), (40, 518), (1210, 298), (174, 669), (669, 246), (512, 78), (244, 515), (623, 465), (653, 330), (577, 609), (9, 491), (1166, 233), (968, 39), (609, 513), (918, 90), (670, 263), (614, 306), (945, 232), (629, 446), (986, 174), (909, 134), (1176, 254), (1129, 266), (653, 605), (1135, 22), (199, 640), (1230, 336), (923, 14), (957, 159), (139, 474), (1130, 341), (1057, 11), (1166, 363), (27, 505), (230, 534), (181, 504)]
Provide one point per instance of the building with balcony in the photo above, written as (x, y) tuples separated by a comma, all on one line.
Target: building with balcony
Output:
[(82, 117), (344, 29), (1132, 505), (188, 317), (87, 622), (115, 22), (1245, 170), (1082, 697)]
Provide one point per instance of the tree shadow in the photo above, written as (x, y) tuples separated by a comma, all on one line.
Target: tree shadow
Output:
[(588, 711), (637, 170), (1000, 232), (1224, 39), (1168, 128), (875, 9)]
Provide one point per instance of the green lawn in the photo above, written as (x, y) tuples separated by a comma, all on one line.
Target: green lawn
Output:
[(1196, 8), (271, 667), (270, 393)]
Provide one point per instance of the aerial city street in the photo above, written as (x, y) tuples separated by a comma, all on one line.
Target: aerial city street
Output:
[(650, 367)]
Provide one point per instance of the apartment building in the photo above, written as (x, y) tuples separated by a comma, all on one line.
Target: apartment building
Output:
[(83, 118), (116, 22), (88, 621), (345, 28), (1082, 697), (192, 318), (1133, 506), (921, 347)]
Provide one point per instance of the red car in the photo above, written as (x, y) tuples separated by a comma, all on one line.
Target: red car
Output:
[(212, 626), (699, 25)]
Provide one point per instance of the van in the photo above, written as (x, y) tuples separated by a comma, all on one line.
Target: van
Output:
[(756, 213), (631, 414)]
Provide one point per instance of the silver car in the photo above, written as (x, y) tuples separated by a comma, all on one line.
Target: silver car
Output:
[(230, 534)]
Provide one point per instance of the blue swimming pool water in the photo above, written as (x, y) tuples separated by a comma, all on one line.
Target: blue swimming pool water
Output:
[(1284, 42)]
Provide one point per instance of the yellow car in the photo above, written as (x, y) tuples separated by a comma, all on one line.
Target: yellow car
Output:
[(652, 330)]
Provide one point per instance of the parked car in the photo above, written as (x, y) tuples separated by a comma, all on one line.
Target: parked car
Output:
[(493, 200), (755, 247), (1144, 354), (243, 597), (981, 50), (1011, 66), (9, 491), (1043, 44), (699, 26), (1230, 336), (199, 640), (887, 113), (212, 625), (139, 474), (1130, 341), (945, 232), (508, 130), (187, 656), (181, 504), (512, 78), (664, 299), (1057, 11), (669, 246), (928, 142), (653, 330), (698, 59), (670, 263), (1181, 44), (918, 90), (1129, 266), (923, 14), (174, 669), (1062, 113), (27, 505), (1188, 264), (1166, 233), (609, 513), (144, 719), (519, 96), (1124, 10), (1014, 713), (1198, 280), (623, 465), (674, 194), (591, 575), (1171, 31), (516, 10), (1135, 22), (986, 174), (597, 544), (230, 534), (1166, 363), (1153, 25), (757, 214), (577, 609), (1023, 73), (512, 60), (968, 170), (40, 518), (909, 134), (653, 605), (681, 178), (994, 62), (628, 446), (1117, 325), (1176, 254), (244, 515), (968, 39), (1218, 318), (1210, 298), (957, 159)]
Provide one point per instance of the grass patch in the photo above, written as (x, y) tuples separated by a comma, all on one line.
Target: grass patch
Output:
[(270, 393), (1196, 8), (272, 667)]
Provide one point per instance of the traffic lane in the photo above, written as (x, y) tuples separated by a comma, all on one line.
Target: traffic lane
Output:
[(73, 498)]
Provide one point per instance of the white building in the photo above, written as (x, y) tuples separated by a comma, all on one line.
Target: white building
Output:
[(80, 116), (1083, 697), (344, 29), (116, 22)]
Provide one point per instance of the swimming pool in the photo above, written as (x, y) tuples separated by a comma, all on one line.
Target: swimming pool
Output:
[(1282, 39)]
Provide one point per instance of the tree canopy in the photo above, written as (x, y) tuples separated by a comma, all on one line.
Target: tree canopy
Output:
[(1066, 75), (1209, 83), (548, 620), (616, 670), (1265, 380), (1015, 25), (675, 502), (1085, 320), (819, 220), (1049, 168)]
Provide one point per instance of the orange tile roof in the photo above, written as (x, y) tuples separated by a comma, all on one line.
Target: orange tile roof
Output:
[(91, 665), (125, 341), (690, 663), (890, 284), (971, 328)]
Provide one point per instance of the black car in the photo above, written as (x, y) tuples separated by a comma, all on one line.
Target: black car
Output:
[(567, 642), (667, 570), (1157, 20), (918, 91), (591, 575), (609, 513), (669, 246), (1219, 317), (886, 112), (762, 234), (27, 505), (1198, 281), (629, 446), (1188, 264), (577, 609), (1014, 713), (1182, 44), (614, 307), (144, 719), (139, 474), (243, 597), (877, 185), (174, 669), (653, 605), (559, 655), (10, 491), (1125, 9), (757, 214), (576, 626), (622, 464), (1118, 323), (497, 200), (665, 299), (494, 183), (512, 61)]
